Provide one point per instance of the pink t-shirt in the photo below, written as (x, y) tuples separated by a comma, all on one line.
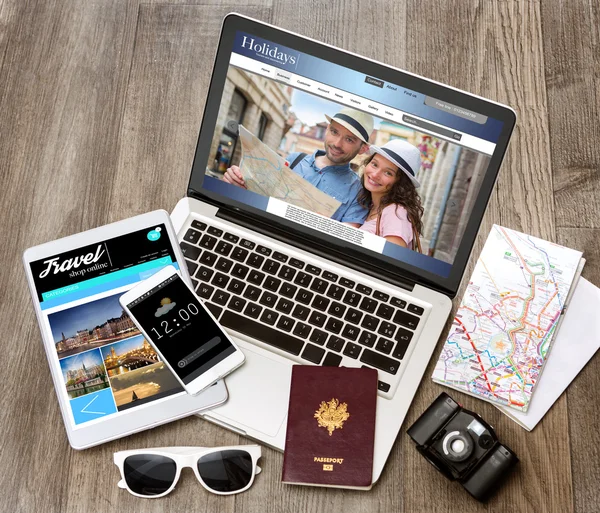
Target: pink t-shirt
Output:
[(394, 222)]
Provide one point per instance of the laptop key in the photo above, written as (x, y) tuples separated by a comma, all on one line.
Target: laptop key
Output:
[(400, 303), (204, 290), (248, 244), (280, 257), (284, 305), (285, 323), (370, 322), (330, 276), (385, 311), (406, 319), (263, 250), (223, 264), (253, 310), (313, 270), (304, 296), (237, 303), (387, 329), (256, 277), (252, 293), (220, 280), (332, 360), (313, 353), (345, 282), (268, 299), (208, 242), (287, 273), (415, 309), (384, 387), (192, 266), (194, 283), (368, 305), (288, 290), (352, 350), (352, 298), (303, 279), (231, 238), (367, 339), (379, 361), (333, 325), (221, 297), (189, 251), (208, 258), (350, 332), (192, 236), (269, 317), (298, 264), (300, 312), (400, 349), (363, 289), (215, 231), (214, 309), (254, 329), (320, 303), (240, 271), (223, 248), (236, 286), (353, 316), (404, 336), (198, 225), (239, 254), (335, 343), (319, 285), (318, 337), (271, 283), (271, 266), (335, 291), (301, 330), (255, 260), (204, 273), (381, 296), (317, 319), (336, 309), (384, 345)]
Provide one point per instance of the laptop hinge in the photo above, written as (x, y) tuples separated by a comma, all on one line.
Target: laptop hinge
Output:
[(312, 246)]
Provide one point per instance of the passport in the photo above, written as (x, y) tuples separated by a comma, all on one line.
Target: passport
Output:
[(330, 435)]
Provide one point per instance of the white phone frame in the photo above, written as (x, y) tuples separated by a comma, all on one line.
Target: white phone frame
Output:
[(211, 375)]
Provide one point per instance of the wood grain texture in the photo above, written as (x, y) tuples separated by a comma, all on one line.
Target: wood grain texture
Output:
[(101, 103)]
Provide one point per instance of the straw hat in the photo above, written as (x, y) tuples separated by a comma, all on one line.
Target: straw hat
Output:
[(357, 122), (406, 156)]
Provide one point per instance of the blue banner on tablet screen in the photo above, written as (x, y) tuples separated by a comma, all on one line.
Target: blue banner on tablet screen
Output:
[(106, 364)]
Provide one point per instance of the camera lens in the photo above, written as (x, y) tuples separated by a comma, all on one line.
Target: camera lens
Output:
[(457, 445)]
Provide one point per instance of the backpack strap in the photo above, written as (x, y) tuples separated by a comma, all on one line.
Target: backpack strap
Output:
[(297, 160)]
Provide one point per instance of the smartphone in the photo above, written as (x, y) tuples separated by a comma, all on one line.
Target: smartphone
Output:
[(183, 332)]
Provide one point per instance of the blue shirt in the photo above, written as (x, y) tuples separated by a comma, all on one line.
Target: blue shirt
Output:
[(339, 182)]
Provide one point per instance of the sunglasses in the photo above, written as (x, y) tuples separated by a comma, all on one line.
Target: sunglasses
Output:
[(153, 473)]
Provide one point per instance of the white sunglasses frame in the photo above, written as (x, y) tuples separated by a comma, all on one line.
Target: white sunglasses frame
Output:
[(186, 457)]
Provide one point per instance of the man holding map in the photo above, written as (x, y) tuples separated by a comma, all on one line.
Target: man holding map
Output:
[(347, 136)]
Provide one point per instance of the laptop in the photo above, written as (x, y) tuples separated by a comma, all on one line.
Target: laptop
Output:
[(275, 223)]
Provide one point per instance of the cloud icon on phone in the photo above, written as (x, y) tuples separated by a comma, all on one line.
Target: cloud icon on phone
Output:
[(166, 306)]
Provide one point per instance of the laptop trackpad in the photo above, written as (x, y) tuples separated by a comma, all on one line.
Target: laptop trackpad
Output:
[(259, 394)]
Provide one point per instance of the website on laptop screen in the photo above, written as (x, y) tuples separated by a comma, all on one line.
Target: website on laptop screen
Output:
[(106, 365), (358, 158)]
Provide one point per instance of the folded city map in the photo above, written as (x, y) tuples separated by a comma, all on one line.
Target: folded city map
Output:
[(512, 307)]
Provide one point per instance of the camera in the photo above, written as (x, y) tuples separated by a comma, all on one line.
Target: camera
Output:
[(463, 447)]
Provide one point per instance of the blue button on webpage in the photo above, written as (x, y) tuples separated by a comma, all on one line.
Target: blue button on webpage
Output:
[(93, 406)]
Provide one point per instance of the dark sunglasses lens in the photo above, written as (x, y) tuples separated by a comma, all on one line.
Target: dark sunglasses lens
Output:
[(149, 474), (226, 471)]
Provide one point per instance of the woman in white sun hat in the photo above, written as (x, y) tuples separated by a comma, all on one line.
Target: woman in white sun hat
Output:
[(390, 193)]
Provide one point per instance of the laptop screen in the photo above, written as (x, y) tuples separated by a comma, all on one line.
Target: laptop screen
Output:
[(355, 158)]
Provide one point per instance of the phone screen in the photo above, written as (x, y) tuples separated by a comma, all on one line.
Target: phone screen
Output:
[(182, 330)]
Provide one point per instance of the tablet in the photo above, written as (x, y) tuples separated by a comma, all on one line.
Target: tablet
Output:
[(109, 381)]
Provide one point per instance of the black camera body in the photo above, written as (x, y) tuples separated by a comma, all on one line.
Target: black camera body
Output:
[(463, 447)]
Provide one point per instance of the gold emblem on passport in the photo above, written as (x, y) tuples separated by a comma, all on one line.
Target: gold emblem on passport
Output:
[(332, 415), (328, 467)]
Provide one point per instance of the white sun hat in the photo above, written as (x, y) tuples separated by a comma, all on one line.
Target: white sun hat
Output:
[(358, 122), (406, 156)]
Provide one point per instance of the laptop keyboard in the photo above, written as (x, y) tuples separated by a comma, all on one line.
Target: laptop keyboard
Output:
[(311, 314)]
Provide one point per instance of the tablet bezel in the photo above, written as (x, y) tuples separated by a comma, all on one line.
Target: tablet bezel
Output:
[(127, 422), (353, 255)]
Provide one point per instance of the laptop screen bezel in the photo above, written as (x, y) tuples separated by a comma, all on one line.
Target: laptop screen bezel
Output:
[(401, 270)]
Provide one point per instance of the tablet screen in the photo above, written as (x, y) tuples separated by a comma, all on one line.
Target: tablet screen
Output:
[(107, 366)]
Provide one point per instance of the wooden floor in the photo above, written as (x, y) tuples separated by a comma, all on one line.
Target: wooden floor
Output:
[(100, 106)]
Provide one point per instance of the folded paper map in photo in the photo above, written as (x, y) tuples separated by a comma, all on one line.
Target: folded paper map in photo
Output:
[(504, 327), (265, 173)]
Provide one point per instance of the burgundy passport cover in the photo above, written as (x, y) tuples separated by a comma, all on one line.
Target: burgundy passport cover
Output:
[(331, 426)]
